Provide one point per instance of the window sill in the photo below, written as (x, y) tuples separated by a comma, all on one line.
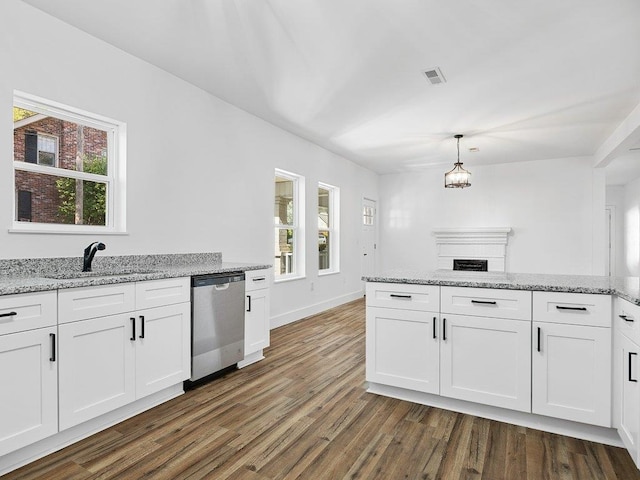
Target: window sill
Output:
[(288, 279), (324, 273), (66, 232)]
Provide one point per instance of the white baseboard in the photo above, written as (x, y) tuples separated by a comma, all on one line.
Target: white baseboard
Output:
[(295, 315), (58, 441), (608, 436)]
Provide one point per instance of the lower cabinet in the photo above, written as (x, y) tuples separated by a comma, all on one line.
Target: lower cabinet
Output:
[(402, 349), (627, 376), (108, 362), (486, 360), (29, 395), (256, 321), (572, 373)]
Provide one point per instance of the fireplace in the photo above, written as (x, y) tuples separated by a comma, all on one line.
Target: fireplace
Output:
[(480, 249), (470, 265)]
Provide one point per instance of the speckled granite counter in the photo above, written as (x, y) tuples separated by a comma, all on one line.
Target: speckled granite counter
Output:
[(625, 287), (37, 275)]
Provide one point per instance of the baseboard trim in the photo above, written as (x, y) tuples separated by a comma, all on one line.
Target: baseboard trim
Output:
[(14, 460), (607, 436), (295, 315)]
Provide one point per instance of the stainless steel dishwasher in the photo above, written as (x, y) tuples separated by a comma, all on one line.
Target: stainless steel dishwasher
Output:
[(217, 323)]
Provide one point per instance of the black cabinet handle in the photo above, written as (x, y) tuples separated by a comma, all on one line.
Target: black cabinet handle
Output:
[(8, 314), (444, 329), (259, 279), (52, 337), (630, 363), (484, 302), (249, 297), (625, 318), (141, 326), (434, 327), (133, 329), (581, 309), (395, 295), (539, 329)]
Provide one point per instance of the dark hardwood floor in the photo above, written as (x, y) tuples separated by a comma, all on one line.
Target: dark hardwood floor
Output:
[(304, 413)]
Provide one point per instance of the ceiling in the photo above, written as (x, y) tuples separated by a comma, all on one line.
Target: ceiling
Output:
[(543, 80)]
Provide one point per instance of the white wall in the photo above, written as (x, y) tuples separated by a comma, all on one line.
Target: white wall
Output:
[(555, 208), (631, 229), (615, 200), (200, 172)]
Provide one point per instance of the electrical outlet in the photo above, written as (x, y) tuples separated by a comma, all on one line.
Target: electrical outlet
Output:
[(311, 284)]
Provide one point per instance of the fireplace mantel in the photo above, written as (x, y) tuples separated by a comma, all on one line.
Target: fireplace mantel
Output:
[(488, 243)]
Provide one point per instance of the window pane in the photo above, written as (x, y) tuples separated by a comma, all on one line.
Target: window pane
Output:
[(324, 260), (284, 213), (51, 199), (323, 208), (367, 215), (38, 138), (284, 251)]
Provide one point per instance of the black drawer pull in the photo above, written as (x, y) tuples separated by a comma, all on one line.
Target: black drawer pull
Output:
[(133, 329), (434, 327), (249, 297), (581, 309), (8, 314), (625, 318), (484, 302), (444, 329), (395, 295), (630, 363), (259, 279), (142, 326), (539, 329), (52, 336)]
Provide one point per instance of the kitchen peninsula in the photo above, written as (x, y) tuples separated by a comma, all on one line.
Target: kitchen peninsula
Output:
[(553, 352)]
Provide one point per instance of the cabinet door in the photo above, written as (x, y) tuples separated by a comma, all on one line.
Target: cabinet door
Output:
[(97, 367), (403, 348), (572, 372), (626, 375), (256, 321), (163, 347), (486, 360), (29, 394)]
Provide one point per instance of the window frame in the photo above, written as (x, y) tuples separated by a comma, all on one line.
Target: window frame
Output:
[(115, 180), (56, 149), (298, 239), (333, 230)]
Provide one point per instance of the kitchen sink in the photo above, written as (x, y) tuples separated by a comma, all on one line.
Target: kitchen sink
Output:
[(80, 275)]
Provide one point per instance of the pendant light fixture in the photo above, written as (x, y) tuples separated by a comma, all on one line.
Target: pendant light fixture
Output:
[(457, 177)]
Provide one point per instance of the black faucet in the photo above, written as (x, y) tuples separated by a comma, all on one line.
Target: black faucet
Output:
[(89, 253)]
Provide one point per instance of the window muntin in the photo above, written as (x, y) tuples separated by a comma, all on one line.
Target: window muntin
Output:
[(368, 215), (328, 224), (68, 169), (288, 218)]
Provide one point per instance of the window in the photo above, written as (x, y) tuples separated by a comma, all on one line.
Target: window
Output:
[(328, 228), (68, 169), (289, 221), (368, 214)]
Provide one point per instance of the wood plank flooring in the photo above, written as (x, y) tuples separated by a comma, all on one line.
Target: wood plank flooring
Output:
[(304, 413)]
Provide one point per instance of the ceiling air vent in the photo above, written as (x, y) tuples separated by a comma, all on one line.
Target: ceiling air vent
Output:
[(435, 76)]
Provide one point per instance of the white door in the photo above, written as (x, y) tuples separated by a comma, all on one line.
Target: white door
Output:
[(486, 360), (402, 348), (29, 395), (572, 372), (163, 347), (97, 367), (369, 235)]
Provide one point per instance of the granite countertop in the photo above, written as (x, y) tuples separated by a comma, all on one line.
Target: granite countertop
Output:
[(38, 275), (625, 287)]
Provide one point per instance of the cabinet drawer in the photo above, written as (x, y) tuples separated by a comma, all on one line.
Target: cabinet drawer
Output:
[(487, 302), (90, 302), (27, 311), (168, 291), (626, 318), (256, 279), (399, 295), (572, 308)]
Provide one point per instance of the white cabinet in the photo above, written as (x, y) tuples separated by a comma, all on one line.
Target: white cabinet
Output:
[(403, 349), (485, 348), (110, 361), (572, 357), (402, 343), (486, 360), (29, 394), (256, 316)]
